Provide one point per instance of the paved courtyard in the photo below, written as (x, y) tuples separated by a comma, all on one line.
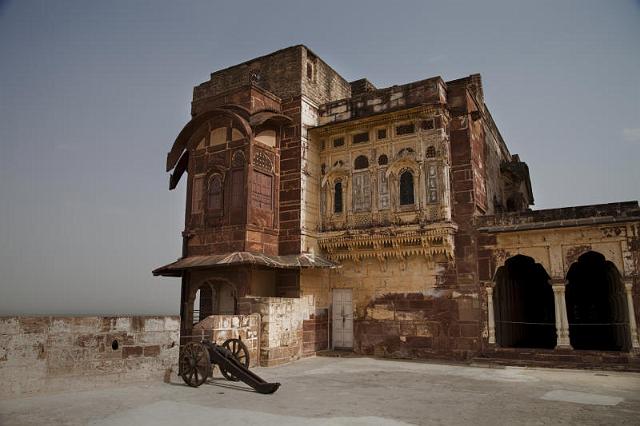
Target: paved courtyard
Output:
[(353, 391)]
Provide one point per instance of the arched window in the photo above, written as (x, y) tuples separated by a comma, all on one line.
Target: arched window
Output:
[(337, 198), (214, 195), (383, 160), (406, 188), (431, 151), (361, 162)]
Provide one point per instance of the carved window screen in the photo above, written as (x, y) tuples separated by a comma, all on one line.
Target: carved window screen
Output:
[(262, 191), (431, 151), (214, 196), (361, 192)]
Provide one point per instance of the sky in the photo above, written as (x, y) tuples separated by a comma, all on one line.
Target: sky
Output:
[(93, 94)]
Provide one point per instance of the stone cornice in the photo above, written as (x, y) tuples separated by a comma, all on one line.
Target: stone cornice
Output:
[(384, 243)]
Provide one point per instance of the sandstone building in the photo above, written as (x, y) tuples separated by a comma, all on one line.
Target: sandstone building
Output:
[(390, 221)]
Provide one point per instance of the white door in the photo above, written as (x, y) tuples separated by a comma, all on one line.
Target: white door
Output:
[(342, 318)]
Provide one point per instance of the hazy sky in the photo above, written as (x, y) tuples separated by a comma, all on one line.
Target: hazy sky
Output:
[(93, 93)]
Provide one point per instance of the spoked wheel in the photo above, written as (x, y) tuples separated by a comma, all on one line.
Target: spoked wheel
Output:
[(240, 352), (195, 365)]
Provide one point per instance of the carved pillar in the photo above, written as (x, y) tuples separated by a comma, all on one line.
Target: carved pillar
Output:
[(492, 321), (633, 327), (562, 323)]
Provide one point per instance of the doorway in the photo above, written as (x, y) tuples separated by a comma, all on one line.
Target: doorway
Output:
[(342, 318)]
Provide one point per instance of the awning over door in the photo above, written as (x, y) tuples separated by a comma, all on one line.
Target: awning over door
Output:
[(294, 261)]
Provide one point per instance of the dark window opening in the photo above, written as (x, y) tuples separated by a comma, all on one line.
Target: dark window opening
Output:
[(524, 305), (431, 151), (383, 160), (114, 345), (337, 198), (338, 142), (427, 125), (596, 305), (361, 137), (382, 133), (406, 189), (405, 129), (309, 71), (361, 162)]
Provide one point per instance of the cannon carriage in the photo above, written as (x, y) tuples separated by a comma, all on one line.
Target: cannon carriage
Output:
[(198, 360)]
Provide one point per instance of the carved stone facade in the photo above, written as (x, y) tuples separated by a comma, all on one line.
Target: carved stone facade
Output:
[(394, 209)]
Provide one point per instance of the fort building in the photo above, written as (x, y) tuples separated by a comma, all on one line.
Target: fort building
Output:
[(327, 214)]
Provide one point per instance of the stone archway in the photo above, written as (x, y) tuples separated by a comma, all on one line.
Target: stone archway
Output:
[(212, 297), (524, 305), (597, 305)]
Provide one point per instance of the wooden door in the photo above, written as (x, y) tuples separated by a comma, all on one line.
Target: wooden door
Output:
[(342, 318)]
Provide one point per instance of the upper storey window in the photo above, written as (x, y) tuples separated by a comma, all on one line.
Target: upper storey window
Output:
[(338, 142), (427, 124), (218, 136), (337, 197), (361, 137), (267, 137), (405, 129), (215, 195), (361, 162), (382, 133), (431, 151), (406, 188), (383, 160), (197, 194)]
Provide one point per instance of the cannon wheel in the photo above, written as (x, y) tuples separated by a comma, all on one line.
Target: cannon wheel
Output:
[(195, 364), (240, 352)]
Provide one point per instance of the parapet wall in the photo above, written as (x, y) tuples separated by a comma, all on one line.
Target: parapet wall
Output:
[(42, 354)]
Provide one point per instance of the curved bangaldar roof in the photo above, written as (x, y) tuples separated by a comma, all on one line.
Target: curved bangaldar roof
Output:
[(241, 119)]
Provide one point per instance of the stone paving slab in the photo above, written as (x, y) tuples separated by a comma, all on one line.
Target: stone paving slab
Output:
[(353, 391)]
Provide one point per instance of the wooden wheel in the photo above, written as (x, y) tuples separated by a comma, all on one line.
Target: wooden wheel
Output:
[(240, 352), (195, 365)]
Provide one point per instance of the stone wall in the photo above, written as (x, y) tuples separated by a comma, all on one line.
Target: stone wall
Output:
[(441, 324), (281, 327), (219, 328), (40, 354), (315, 334)]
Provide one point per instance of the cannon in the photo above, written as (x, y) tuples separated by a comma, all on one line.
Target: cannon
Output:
[(198, 360)]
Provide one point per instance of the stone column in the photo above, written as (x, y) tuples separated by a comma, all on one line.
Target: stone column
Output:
[(633, 327), (492, 322), (562, 323)]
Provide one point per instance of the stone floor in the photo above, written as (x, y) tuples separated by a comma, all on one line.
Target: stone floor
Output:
[(353, 391)]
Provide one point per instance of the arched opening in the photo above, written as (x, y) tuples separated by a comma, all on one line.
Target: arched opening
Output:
[(337, 197), (215, 297), (596, 305), (524, 305), (383, 160), (203, 303), (406, 188)]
